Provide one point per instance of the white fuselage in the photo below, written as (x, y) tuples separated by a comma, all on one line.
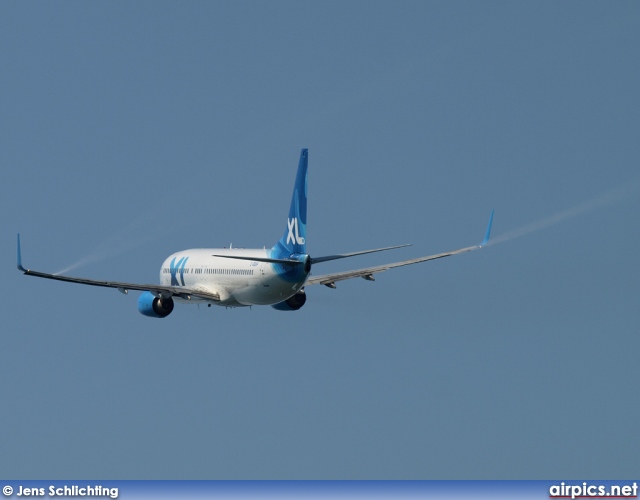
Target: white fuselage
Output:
[(237, 282)]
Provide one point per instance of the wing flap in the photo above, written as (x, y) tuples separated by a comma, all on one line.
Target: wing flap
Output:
[(157, 290), (368, 272)]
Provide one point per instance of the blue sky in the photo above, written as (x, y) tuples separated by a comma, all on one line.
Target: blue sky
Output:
[(131, 130)]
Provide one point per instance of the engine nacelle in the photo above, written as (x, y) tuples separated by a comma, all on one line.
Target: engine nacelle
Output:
[(292, 303), (154, 307)]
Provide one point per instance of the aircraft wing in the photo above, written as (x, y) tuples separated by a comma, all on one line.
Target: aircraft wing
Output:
[(368, 272), (157, 290)]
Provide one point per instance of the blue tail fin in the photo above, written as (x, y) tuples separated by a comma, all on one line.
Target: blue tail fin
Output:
[(294, 239)]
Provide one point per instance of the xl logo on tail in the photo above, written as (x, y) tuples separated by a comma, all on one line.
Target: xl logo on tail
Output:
[(294, 238)]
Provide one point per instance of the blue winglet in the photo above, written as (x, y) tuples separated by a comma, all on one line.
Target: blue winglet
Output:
[(20, 256), (488, 233)]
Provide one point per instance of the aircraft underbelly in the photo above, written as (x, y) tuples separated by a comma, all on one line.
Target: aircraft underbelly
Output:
[(268, 292)]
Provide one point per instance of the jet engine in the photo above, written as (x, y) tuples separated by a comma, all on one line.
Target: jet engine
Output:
[(154, 307), (292, 303)]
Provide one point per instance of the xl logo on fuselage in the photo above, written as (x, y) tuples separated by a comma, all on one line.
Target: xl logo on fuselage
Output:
[(294, 237), (178, 267)]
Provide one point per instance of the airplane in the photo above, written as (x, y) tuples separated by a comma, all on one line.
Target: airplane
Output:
[(234, 277)]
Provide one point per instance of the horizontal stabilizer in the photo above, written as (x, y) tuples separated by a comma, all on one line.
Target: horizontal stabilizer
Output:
[(315, 260), (289, 262)]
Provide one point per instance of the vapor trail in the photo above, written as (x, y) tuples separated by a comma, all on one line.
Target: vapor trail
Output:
[(104, 252), (121, 242), (124, 240), (607, 198)]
